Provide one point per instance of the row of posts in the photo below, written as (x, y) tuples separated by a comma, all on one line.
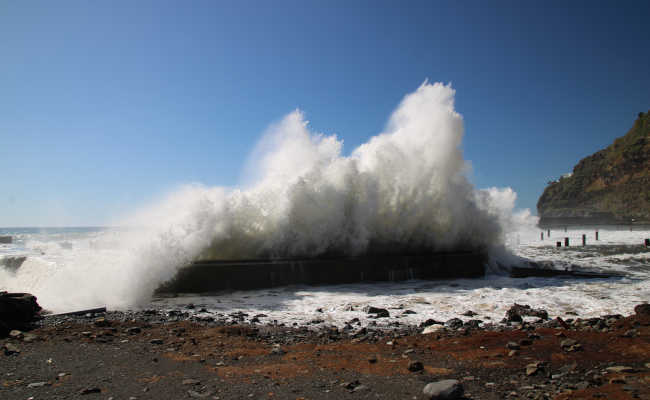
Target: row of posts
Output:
[(584, 239), (566, 239)]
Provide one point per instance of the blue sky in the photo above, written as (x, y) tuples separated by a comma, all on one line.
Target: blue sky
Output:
[(106, 106)]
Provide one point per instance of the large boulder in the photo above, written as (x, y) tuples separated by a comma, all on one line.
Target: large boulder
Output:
[(642, 309), (518, 310), (448, 389), (17, 311)]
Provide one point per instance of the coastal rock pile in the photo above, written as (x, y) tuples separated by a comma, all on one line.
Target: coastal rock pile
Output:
[(517, 311), (17, 311)]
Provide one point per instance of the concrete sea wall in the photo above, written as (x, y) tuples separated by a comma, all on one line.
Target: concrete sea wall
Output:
[(214, 276)]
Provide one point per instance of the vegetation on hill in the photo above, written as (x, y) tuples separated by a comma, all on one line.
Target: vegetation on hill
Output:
[(609, 186)]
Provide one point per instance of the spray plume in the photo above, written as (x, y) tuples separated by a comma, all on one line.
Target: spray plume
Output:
[(405, 190)]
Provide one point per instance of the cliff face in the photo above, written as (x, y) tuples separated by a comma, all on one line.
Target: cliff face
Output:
[(612, 186)]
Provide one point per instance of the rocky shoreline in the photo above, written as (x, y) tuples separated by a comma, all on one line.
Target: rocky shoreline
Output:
[(187, 354)]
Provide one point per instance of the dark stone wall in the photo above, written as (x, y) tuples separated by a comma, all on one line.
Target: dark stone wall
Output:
[(214, 276)]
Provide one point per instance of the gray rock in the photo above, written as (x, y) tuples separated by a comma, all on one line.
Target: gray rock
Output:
[(132, 331), (531, 369), (361, 388), (378, 312), (630, 333), (90, 390), (101, 322), (447, 389), (156, 341), (642, 309), (29, 337), (512, 346), (11, 349), (37, 385), (415, 366), (515, 312), (15, 334), (198, 395), (454, 323), (191, 382), (620, 368)]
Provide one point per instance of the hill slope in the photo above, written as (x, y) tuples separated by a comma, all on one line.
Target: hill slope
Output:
[(611, 186)]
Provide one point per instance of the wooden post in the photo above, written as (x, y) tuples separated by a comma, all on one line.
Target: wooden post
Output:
[(584, 239), (566, 242), (541, 236), (647, 243), (558, 244), (596, 235), (548, 233)]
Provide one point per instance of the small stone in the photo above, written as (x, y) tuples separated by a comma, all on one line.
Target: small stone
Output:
[(513, 353), (415, 366), (198, 395), (469, 313), (90, 390), (191, 382), (15, 334), (156, 341), (361, 388), (433, 329), (277, 350), (532, 369), (568, 343), (630, 333), (372, 359), (378, 312), (454, 323), (101, 322), (133, 330), (11, 349), (37, 385), (620, 369), (513, 346), (350, 385), (447, 389), (619, 381), (29, 337)]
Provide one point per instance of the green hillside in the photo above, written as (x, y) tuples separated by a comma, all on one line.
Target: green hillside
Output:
[(609, 186)]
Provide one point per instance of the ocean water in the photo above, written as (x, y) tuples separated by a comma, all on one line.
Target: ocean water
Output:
[(619, 250)]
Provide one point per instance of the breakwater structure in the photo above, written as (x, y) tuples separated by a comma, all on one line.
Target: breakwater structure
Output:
[(207, 276)]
